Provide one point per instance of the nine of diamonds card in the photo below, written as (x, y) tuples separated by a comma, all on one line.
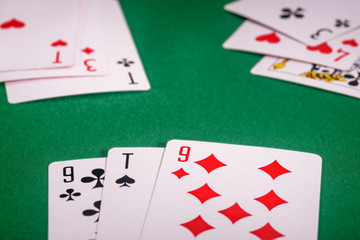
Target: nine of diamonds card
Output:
[(222, 191)]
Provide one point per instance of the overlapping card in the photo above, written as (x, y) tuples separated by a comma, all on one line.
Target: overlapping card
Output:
[(302, 32), (189, 190), (313, 75), (66, 48)]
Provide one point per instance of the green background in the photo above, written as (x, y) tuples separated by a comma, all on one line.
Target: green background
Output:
[(200, 91)]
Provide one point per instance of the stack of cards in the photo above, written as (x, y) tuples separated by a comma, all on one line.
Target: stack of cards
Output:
[(54, 48), (314, 43), (189, 190)]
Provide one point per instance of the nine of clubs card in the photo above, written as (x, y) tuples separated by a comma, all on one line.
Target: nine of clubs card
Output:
[(75, 189)]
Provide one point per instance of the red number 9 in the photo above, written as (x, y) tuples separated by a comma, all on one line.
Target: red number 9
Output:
[(184, 153)]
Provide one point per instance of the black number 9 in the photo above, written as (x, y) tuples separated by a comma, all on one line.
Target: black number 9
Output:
[(68, 172)]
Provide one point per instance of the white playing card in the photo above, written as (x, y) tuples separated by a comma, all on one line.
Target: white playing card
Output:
[(130, 178), (126, 72), (222, 191), (311, 22), (343, 82), (90, 52), (339, 53), (38, 34), (75, 188)]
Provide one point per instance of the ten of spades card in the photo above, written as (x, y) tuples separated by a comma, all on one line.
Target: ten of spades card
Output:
[(130, 178)]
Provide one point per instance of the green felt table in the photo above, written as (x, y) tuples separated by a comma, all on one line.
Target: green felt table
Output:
[(200, 91)]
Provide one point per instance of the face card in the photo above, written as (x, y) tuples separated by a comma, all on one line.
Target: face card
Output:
[(126, 72), (339, 53), (313, 75), (38, 34), (130, 178), (222, 191), (90, 54), (75, 198), (310, 22)]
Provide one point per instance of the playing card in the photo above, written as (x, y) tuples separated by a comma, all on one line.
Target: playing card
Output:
[(74, 198), (90, 52), (314, 75), (126, 72), (222, 191), (130, 178), (38, 34), (339, 53), (308, 21)]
